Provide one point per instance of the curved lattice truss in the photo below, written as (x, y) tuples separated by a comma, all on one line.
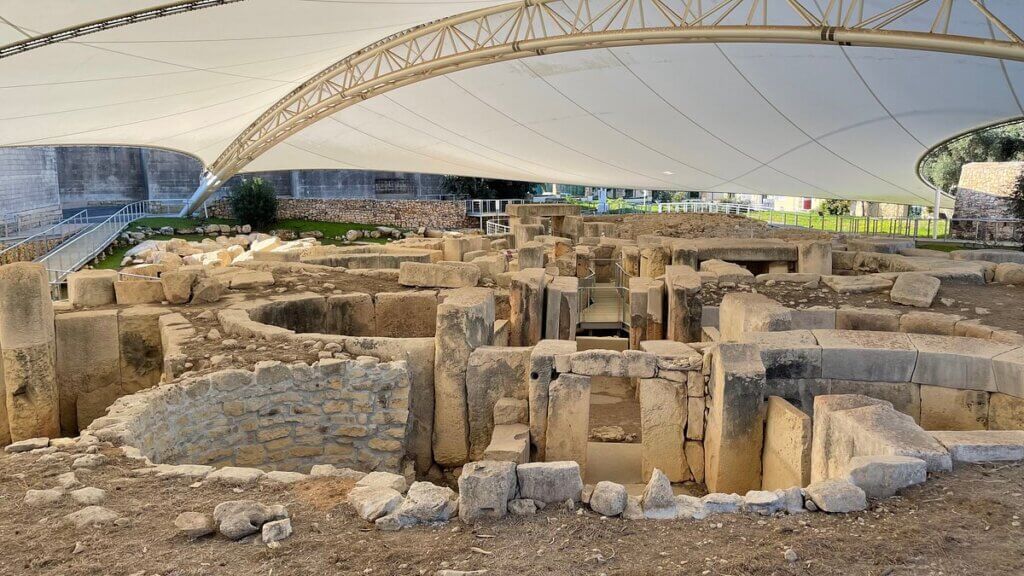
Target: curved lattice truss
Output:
[(536, 27)]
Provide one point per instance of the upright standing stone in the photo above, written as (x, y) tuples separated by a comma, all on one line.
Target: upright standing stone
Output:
[(542, 370), (27, 345), (531, 255), (568, 419), (742, 312), (88, 367), (465, 321), (492, 373), (682, 290), (562, 300), (735, 427), (142, 357), (786, 460), (814, 257), (663, 414), (526, 303), (653, 259), (646, 310)]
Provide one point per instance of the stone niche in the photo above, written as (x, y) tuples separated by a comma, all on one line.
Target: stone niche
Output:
[(410, 314), (351, 413)]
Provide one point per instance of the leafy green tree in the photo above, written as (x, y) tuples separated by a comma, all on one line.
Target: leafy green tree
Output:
[(254, 202), (834, 207), (485, 188), (999, 144)]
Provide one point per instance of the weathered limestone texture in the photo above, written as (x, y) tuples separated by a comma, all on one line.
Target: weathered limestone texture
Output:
[(91, 287), (27, 348), (951, 409), (646, 316), (561, 318), (542, 371), (354, 314), (786, 460), (814, 257), (405, 314), (142, 356), (492, 374), (350, 413), (743, 312), (465, 322), (682, 291), (568, 421), (663, 415), (735, 428), (526, 299), (88, 367)]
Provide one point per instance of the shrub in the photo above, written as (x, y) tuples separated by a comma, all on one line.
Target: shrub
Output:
[(254, 202), (834, 207)]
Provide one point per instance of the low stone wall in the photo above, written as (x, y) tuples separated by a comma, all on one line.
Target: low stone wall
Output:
[(982, 193), (396, 213), (351, 413)]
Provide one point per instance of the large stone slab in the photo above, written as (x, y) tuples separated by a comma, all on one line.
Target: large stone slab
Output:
[(491, 374), (930, 323), (526, 301), (465, 321), (141, 347), (786, 458), (542, 370), (735, 427), (562, 305), (88, 367), (814, 257), (439, 275), (509, 443), (568, 419), (91, 287), (790, 354), (856, 284), (983, 445), (550, 482), (866, 355), (682, 292), (354, 314), (952, 409), (1008, 369), (749, 312), (914, 289), (404, 314), (875, 319), (485, 489), (956, 362), (883, 476), (663, 416), (1005, 412)]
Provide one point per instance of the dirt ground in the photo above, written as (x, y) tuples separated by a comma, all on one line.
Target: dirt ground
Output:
[(700, 226), (967, 522), (994, 304)]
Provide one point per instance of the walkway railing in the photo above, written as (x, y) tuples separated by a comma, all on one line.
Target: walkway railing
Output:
[(41, 242), (497, 227), (477, 208), (604, 305), (705, 207), (71, 255)]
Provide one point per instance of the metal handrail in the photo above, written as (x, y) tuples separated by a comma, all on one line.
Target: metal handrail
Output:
[(78, 219)]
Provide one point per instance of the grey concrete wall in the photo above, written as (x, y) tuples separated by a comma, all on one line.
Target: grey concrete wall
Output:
[(28, 180), (100, 174), (169, 174)]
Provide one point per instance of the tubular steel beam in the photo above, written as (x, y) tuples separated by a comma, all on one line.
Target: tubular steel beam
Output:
[(535, 27)]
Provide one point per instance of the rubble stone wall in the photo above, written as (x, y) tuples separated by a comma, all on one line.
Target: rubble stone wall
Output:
[(351, 413), (396, 213)]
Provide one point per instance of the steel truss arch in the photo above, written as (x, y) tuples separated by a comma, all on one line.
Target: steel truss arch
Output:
[(536, 27)]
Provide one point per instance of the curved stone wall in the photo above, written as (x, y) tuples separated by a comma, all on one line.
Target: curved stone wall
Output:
[(351, 413)]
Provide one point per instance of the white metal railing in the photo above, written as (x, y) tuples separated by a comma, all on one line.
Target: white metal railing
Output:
[(705, 207), (38, 244), (497, 227), (591, 291), (19, 223), (71, 255), (490, 207)]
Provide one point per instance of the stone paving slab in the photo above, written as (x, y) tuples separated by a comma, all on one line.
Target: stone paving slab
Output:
[(866, 355), (983, 445)]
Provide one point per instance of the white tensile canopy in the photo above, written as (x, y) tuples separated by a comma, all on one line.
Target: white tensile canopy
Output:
[(745, 114)]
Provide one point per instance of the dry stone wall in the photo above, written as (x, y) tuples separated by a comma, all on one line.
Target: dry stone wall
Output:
[(351, 413), (396, 213)]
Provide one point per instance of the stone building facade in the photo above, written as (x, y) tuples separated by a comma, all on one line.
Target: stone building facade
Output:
[(29, 191), (982, 194)]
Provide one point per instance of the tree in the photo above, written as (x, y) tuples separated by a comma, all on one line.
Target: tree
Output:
[(485, 188), (254, 202), (998, 144), (834, 207)]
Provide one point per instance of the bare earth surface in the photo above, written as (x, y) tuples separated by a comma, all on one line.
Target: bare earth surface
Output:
[(967, 522), (700, 226)]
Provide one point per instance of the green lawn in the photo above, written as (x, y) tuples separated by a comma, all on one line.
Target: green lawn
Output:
[(853, 224)]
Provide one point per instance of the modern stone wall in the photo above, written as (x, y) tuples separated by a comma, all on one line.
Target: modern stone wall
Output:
[(982, 194), (28, 187), (397, 213), (351, 413)]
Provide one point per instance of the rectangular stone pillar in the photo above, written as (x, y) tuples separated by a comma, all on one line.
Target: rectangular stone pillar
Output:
[(465, 321), (584, 262), (568, 420), (542, 370), (142, 356), (28, 355), (531, 255), (682, 291), (562, 304), (492, 373), (814, 257), (743, 312), (88, 367), (735, 427), (663, 413), (653, 259), (630, 260), (646, 305), (786, 460), (526, 303)]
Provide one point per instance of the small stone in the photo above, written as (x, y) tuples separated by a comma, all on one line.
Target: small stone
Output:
[(27, 445), (238, 518), (608, 498), (836, 495), (43, 497), (522, 507), (194, 524), (277, 530), (92, 516), (89, 496), (89, 461), (790, 555)]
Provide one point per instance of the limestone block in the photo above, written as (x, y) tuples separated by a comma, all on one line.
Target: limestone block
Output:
[(511, 411), (837, 496), (930, 323), (983, 445), (814, 257), (141, 347), (465, 321), (441, 275), (568, 419), (207, 290), (608, 499), (883, 476), (526, 301), (695, 408), (682, 293), (485, 489), (914, 289), (531, 255), (905, 397), (1009, 273), (562, 305), (91, 287), (751, 312), (658, 501), (695, 458), (673, 355), (790, 354), (251, 279), (625, 364), (88, 367), (405, 314), (492, 373), (1005, 412), (872, 319), (951, 409), (27, 354), (372, 502), (177, 285), (550, 482), (856, 284), (509, 443), (727, 272), (786, 458), (1008, 368), (653, 260), (629, 259), (378, 479), (866, 355), (645, 310), (542, 370), (663, 416), (354, 314), (956, 362), (824, 448), (735, 427), (138, 291)]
